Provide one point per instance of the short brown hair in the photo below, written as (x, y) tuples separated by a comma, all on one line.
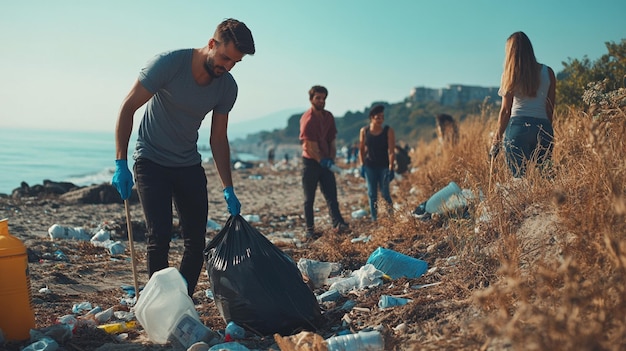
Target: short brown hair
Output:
[(317, 89), (232, 30)]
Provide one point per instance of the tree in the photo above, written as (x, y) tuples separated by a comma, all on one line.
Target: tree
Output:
[(577, 74)]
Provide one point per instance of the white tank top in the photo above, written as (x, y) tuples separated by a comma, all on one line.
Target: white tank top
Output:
[(524, 106)]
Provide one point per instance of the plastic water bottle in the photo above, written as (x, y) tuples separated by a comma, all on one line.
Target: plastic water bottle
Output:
[(45, 344), (362, 341), (447, 199), (387, 301), (397, 265)]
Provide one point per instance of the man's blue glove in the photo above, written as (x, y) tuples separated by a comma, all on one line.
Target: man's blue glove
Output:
[(362, 171), (327, 162), (234, 207), (390, 175), (122, 179)]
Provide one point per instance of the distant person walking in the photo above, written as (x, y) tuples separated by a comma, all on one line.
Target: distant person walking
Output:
[(270, 156), (180, 87), (528, 93), (319, 149), (377, 152)]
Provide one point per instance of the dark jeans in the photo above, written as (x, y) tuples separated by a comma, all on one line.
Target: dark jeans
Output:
[(377, 178), (312, 174), (528, 139), (157, 186)]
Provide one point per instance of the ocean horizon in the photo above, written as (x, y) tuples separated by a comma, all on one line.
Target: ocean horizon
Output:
[(80, 157)]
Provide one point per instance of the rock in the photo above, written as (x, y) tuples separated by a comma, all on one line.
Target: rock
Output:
[(104, 193)]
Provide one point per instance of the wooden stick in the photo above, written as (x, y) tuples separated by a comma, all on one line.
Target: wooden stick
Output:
[(129, 225)]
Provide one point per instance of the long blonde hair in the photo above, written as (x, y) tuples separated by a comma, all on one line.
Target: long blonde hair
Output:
[(521, 69)]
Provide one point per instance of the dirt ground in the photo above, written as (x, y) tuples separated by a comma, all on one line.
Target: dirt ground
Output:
[(90, 273)]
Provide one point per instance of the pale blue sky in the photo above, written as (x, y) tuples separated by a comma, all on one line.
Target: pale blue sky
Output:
[(68, 64)]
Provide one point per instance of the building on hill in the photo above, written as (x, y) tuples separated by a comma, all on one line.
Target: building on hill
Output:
[(453, 94)]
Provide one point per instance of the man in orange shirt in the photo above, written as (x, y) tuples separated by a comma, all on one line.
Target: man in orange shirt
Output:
[(317, 136)]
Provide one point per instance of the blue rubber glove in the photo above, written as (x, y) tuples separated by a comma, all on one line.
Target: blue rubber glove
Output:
[(362, 171), (327, 162), (122, 179), (234, 207), (390, 175)]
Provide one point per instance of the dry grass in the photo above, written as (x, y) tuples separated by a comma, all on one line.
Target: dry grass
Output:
[(540, 264)]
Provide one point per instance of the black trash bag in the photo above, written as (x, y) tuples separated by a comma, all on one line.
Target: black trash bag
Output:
[(256, 285)]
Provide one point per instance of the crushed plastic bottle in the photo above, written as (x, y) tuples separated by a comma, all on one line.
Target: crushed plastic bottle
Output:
[(60, 232), (387, 301), (44, 344), (362, 341), (82, 306)]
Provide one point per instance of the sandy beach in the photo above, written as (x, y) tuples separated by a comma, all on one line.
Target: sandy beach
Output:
[(91, 274)]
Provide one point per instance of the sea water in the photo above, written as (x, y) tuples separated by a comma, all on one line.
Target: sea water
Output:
[(80, 157)]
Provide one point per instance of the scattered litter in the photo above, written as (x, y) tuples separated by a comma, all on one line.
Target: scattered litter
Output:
[(420, 286), (60, 232), (387, 301), (213, 225), (252, 218), (317, 271), (82, 306), (361, 238), (366, 276), (359, 214), (397, 265)]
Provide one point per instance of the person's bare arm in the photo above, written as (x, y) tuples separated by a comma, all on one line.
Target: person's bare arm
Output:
[(391, 147), (136, 98), (220, 148), (504, 116), (312, 148), (362, 146), (550, 101)]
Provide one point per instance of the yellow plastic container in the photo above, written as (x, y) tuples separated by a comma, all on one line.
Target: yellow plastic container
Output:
[(17, 317)]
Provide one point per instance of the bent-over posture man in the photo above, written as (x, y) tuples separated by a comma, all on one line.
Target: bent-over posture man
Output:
[(180, 88)]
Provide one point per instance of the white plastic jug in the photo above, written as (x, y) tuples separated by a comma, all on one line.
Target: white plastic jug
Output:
[(162, 303)]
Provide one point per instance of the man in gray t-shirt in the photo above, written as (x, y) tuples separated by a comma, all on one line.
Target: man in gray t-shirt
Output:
[(179, 89)]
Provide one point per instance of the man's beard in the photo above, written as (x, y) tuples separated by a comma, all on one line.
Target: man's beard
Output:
[(209, 67), (319, 107)]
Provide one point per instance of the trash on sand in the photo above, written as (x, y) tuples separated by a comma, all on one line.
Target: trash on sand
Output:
[(387, 301), (57, 231), (397, 265), (317, 271), (366, 276)]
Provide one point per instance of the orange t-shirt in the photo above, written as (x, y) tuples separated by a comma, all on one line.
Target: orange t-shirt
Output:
[(318, 128)]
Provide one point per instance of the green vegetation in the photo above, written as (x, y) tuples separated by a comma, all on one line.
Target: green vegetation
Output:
[(578, 74)]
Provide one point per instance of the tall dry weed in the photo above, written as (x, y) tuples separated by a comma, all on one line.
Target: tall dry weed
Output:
[(537, 263)]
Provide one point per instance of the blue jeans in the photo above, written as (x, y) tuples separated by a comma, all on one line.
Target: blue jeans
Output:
[(312, 174), (377, 178), (157, 186), (528, 139)]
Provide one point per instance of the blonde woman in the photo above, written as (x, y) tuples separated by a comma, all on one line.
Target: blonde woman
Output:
[(525, 120)]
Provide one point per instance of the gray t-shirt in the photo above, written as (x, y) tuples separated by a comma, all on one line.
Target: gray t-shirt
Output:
[(168, 132)]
